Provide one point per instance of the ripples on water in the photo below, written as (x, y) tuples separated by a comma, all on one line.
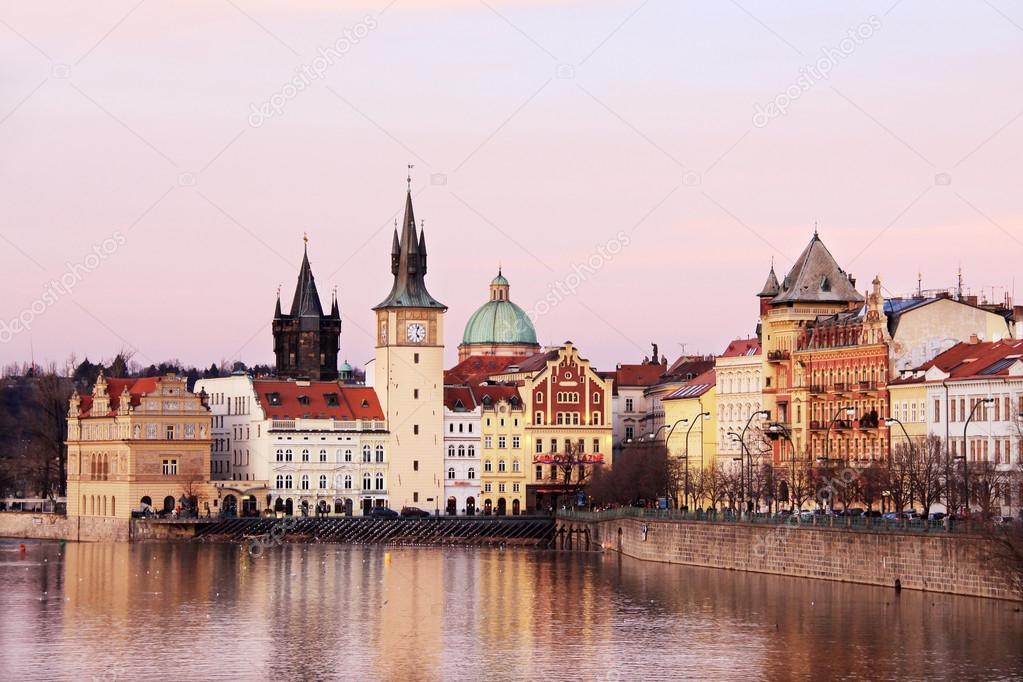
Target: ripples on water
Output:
[(192, 612)]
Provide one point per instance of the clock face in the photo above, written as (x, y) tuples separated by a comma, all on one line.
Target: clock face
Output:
[(415, 332)]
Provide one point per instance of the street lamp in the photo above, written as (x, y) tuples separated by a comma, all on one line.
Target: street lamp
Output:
[(912, 451), (774, 431), (667, 450), (699, 418), (742, 478), (849, 411), (966, 461), (742, 441)]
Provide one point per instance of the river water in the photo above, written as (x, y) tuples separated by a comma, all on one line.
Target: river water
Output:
[(196, 612)]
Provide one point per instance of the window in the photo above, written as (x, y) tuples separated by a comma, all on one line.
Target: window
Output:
[(952, 410), (488, 442), (461, 451), (380, 454), (451, 473), (323, 481), (415, 429), (596, 445), (305, 482), (487, 466), (500, 487), (539, 472), (367, 481), (629, 433), (487, 488), (288, 455), (367, 454), (415, 394), (515, 442), (170, 432), (415, 465), (379, 482), (280, 481), (348, 481), (554, 445), (515, 487), (170, 467), (539, 397), (596, 398), (595, 418), (538, 418), (628, 404), (472, 451), (937, 411), (472, 473), (451, 451), (289, 482), (501, 466), (323, 455), (280, 455), (515, 465), (539, 446), (502, 442), (415, 358)]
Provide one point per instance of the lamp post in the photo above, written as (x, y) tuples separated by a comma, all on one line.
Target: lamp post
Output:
[(966, 460), (667, 450), (912, 453), (742, 478), (742, 440), (774, 431), (849, 412), (699, 418)]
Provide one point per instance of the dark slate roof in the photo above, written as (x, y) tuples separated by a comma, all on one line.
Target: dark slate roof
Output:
[(408, 265), (771, 287), (307, 299), (816, 278)]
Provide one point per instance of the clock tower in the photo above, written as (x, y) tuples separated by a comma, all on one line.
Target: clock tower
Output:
[(409, 379)]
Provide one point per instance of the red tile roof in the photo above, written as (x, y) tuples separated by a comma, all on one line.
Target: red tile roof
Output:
[(471, 397), (742, 348), (459, 398), (985, 358), (137, 387), (639, 375), (476, 369), (281, 400)]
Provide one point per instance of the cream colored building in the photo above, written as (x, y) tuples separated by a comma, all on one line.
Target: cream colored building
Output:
[(138, 443), (739, 379)]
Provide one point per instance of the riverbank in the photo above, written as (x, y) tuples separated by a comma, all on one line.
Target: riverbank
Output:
[(32, 526), (933, 561)]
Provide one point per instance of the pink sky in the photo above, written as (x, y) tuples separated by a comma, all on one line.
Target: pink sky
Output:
[(556, 126)]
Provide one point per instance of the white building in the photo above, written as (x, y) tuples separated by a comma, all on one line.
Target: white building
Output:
[(739, 383), (461, 450), (298, 446), (629, 402)]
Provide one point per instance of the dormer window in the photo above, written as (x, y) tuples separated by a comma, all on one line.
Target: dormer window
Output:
[(303, 400), (274, 398), (459, 406), (331, 399), (825, 284), (365, 403)]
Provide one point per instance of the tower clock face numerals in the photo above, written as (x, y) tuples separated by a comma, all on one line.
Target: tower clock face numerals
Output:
[(415, 332)]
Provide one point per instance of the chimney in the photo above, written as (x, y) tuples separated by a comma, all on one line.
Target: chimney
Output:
[(974, 339)]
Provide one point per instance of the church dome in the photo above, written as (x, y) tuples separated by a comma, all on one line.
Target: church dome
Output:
[(499, 321)]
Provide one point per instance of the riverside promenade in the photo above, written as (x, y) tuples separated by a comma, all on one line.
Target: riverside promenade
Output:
[(897, 554)]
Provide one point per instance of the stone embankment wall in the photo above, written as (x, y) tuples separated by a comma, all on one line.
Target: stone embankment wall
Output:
[(936, 562), (56, 527)]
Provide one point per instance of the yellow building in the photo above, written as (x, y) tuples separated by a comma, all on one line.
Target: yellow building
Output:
[(690, 420), (137, 443), (907, 399), (503, 450)]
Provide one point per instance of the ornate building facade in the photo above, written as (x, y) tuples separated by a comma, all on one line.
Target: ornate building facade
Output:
[(138, 444)]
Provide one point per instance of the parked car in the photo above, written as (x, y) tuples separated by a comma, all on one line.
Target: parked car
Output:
[(899, 516), (936, 516), (382, 513), (851, 511), (871, 514), (415, 512)]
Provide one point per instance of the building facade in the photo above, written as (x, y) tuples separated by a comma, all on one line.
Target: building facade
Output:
[(630, 404), (138, 445), (739, 377), (461, 451)]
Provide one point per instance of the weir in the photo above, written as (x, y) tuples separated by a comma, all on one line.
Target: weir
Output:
[(538, 531)]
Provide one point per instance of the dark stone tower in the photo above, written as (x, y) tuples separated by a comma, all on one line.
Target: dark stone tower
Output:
[(306, 342)]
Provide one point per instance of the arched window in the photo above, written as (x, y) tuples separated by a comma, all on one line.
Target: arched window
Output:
[(323, 455), (348, 455), (367, 481), (500, 465), (280, 455), (380, 453), (596, 398), (280, 481), (451, 451), (472, 451), (113, 506), (380, 481), (515, 465), (367, 454), (305, 454), (472, 473), (539, 397), (487, 466), (288, 482), (461, 451), (288, 455), (451, 472), (323, 481), (305, 482), (348, 481)]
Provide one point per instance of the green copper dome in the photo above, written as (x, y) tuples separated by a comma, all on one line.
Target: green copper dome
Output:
[(499, 320)]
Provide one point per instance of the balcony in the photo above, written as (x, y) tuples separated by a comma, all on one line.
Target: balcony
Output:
[(777, 355), (307, 424)]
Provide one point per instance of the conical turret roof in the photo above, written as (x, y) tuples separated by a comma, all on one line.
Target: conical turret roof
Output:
[(409, 289), (307, 300), (816, 278)]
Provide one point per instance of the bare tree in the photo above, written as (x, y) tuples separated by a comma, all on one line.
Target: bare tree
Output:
[(927, 472)]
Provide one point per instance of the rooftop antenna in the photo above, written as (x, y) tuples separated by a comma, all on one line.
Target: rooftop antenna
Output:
[(305, 237), (919, 284), (959, 286)]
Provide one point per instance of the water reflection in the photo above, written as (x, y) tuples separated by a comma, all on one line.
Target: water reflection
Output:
[(331, 612)]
